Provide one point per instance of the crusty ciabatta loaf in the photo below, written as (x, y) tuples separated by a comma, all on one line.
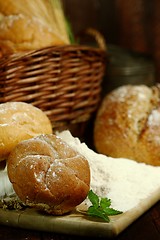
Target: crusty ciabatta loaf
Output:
[(48, 174), (128, 124), (20, 121)]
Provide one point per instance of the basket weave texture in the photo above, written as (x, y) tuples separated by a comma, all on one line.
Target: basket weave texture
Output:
[(64, 82)]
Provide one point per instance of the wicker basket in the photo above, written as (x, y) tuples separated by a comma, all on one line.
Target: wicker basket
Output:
[(65, 81)]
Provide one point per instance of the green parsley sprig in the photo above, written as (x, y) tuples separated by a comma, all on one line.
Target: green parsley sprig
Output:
[(100, 207)]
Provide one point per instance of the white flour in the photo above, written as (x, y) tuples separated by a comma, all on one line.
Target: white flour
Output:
[(124, 181)]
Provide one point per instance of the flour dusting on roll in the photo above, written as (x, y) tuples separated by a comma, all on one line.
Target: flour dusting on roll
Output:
[(127, 124), (48, 174), (29, 25)]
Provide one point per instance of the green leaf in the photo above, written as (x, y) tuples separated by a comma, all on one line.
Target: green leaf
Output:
[(100, 207), (96, 212), (70, 32), (94, 199), (105, 202), (111, 211)]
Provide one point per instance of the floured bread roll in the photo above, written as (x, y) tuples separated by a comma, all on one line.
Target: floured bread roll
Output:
[(48, 174), (29, 25), (20, 121), (128, 124)]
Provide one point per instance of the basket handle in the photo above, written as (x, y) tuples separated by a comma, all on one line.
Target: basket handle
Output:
[(98, 37)]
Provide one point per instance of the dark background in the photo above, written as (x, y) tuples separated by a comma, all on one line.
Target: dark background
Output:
[(131, 24)]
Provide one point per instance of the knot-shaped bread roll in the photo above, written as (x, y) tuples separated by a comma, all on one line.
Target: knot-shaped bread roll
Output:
[(48, 174)]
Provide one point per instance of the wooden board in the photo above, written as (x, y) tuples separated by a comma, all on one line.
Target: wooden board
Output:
[(76, 223)]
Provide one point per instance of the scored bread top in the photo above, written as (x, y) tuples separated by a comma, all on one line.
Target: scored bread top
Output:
[(48, 174)]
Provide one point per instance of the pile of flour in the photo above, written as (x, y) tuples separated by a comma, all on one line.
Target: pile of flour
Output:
[(124, 181)]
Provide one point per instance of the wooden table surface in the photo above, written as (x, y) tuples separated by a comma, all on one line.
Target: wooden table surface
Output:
[(147, 227)]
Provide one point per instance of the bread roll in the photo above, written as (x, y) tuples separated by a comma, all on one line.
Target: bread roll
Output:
[(20, 121), (127, 124), (11, 41), (48, 174), (29, 25)]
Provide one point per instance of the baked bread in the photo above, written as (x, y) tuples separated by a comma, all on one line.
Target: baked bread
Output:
[(127, 124), (48, 174), (29, 25), (20, 121)]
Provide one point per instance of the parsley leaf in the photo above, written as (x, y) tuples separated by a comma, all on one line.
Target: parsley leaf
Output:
[(96, 212), (94, 199), (100, 207)]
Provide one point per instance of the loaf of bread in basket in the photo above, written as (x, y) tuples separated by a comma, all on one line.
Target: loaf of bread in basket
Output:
[(28, 25)]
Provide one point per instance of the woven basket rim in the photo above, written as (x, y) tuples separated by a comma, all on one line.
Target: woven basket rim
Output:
[(35, 78), (73, 47)]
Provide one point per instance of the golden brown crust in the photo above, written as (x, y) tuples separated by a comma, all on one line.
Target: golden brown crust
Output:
[(11, 41), (20, 121), (21, 29), (128, 124), (48, 174)]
